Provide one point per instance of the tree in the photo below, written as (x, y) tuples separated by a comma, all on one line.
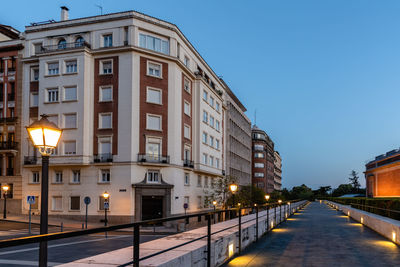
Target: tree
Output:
[(343, 189), (302, 192), (354, 180), (323, 191), (219, 191)]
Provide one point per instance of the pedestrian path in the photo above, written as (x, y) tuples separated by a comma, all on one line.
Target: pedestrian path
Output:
[(320, 236)]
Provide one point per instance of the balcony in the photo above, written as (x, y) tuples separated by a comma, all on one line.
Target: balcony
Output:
[(8, 145), (10, 172), (153, 158), (12, 69), (188, 163), (30, 160), (61, 47), (8, 119), (107, 157), (11, 97)]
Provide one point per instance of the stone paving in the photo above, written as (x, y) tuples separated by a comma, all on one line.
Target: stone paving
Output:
[(320, 236)]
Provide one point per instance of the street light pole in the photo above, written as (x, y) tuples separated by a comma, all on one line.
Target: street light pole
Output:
[(44, 209), (5, 189)]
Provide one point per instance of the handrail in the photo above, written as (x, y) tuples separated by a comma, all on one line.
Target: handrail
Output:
[(372, 207)]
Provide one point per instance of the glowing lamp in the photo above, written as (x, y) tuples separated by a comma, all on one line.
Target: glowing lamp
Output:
[(267, 197), (393, 236), (106, 195), (280, 201), (362, 220), (214, 203), (233, 188), (44, 135), (5, 188)]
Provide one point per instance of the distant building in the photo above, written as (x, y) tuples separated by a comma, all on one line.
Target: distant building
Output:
[(263, 160), (382, 175), (238, 139), (277, 171)]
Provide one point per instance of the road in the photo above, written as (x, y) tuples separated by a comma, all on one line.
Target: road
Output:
[(65, 250), (320, 236)]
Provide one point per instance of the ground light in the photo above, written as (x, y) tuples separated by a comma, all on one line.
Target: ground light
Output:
[(230, 250), (362, 220), (393, 236)]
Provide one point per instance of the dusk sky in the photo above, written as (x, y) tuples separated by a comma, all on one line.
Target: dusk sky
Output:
[(322, 75)]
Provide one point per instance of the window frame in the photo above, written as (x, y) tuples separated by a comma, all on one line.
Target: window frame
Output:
[(64, 120), (149, 88), (147, 122), (103, 114), (158, 178), (101, 93), (148, 68), (64, 150), (48, 69), (66, 61), (70, 203), (104, 36), (69, 87), (101, 181), (73, 181), (101, 67), (186, 126), (187, 104), (55, 89)]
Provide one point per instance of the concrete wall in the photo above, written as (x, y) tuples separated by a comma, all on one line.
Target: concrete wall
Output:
[(194, 254), (387, 227)]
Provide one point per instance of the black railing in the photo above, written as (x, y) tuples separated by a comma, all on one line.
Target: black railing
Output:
[(11, 97), (30, 160), (8, 119), (210, 217), (153, 158), (65, 46), (188, 163), (12, 69), (107, 157), (10, 172), (8, 145), (390, 213)]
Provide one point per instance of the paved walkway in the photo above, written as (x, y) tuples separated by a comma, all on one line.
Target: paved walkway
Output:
[(320, 236)]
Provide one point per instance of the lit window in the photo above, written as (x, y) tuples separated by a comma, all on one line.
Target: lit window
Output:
[(106, 67), (153, 176), (71, 66), (105, 93), (52, 95), (205, 116), (58, 178), (153, 96), (154, 69), (259, 155), (75, 203), (69, 147), (105, 176), (76, 176), (154, 43), (107, 40), (52, 68), (70, 121), (70, 93), (205, 138), (153, 122), (105, 120), (186, 108), (186, 131)]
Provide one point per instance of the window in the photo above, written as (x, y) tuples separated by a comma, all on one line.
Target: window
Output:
[(211, 141), (35, 177), (76, 176), (258, 174), (69, 147), (186, 153), (205, 95), (205, 116), (107, 40), (211, 161), (153, 122), (205, 158), (153, 147), (37, 48), (62, 44), (199, 202), (199, 180), (106, 67), (186, 108), (71, 66), (217, 125), (70, 121), (217, 163), (186, 61), (205, 138), (58, 178), (154, 43), (52, 95), (56, 203), (79, 42), (154, 96), (186, 85), (153, 176), (212, 121), (105, 93), (105, 120), (186, 131), (216, 144), (258, 147), (70, 93), (154, 69), (217, 106), (75, 203), (52, 68), (211, 101), (101, 202), (187, 178), (258, 165), (259, 155), (53, 119), (105, 146), (105, 176), (34, 74), (34, 99)]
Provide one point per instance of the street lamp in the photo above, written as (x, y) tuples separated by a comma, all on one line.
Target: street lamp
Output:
[(106, 196), (267, 197), (214, 204), (44, 136), (280, 210), (5, 189), (233, 188)]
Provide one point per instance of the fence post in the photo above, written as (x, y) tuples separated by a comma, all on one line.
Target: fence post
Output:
[(267, 217), (136, 241), (256, 223), (240, 230), (208, 240)]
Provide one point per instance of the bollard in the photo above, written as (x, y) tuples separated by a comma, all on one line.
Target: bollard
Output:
[(136, 241)]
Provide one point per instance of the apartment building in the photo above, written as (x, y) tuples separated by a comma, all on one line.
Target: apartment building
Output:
[(10, 110), (238, 139), (277, 171), (141, 111), (263, 160)]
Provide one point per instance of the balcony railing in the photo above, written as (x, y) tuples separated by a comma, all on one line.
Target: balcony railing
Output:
[(8, 145), (8, 119), (12, 69), (188, 163), (11, 97), (30, 160), (153, 158), (60, 47), (10, 172), (107, 157)]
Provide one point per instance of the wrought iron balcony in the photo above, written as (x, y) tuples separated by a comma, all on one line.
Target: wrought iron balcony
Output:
[(8, 145), (8, 119), (106, 157), (188, 163), (61, 47), (11, 97), (30, 160), (153, 158)]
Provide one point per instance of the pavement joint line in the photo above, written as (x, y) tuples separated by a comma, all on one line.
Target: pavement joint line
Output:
[(26, 263)]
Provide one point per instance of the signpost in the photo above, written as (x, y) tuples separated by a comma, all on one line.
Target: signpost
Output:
[(31, 200), (87, 202)]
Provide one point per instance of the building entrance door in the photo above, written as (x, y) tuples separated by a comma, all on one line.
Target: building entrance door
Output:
[(152, 207)]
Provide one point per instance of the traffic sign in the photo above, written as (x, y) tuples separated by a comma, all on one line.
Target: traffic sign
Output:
[(31, 200), (86, 200), (106, 205), (185, 206)]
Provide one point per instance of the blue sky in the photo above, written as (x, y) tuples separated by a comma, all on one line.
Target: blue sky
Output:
[(322, 75)]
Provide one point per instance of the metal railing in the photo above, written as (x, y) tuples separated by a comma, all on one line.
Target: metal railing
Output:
[(8, 145), (390, 213), (64, 46), (8, 119), (153, 158), (188, 163), (106, 157), (30, 160), (210, 216)]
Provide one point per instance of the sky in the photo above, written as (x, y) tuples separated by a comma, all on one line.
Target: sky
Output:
[(322, 76)]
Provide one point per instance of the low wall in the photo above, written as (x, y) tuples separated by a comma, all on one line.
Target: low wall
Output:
[(387, 227), (224, 245)]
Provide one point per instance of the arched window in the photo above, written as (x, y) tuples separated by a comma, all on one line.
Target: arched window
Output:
[(79, 41), (62, 44)]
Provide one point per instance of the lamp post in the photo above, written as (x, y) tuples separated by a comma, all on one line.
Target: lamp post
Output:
[(233, 188), (280, 210), (106, 196), (267, 197), (214, 204), (5, 189), (44, 136)]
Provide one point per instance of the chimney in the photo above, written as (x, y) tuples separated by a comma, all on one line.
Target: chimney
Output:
[(64, 13)]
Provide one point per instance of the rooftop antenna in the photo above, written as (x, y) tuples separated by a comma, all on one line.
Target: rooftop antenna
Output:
[(101, 9)]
